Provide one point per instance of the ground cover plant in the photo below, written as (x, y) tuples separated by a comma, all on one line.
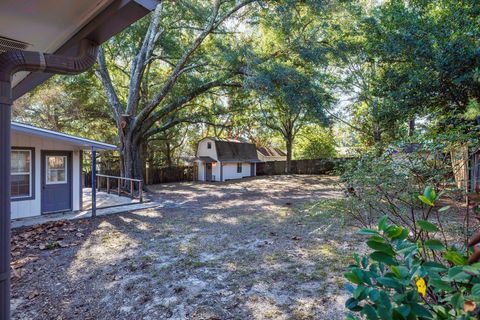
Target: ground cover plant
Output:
[(414, 274)]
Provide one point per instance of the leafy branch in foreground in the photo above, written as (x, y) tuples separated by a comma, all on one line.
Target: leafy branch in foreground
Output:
[(412, 278)]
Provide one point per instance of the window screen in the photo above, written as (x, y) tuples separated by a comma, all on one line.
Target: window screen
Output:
[(21, 173)]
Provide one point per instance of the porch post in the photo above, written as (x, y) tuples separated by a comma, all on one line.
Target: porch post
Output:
[(5, 146), (221, 171), (94, 182)]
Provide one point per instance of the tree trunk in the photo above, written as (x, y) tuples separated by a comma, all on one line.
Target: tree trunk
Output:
[(132, 156), (289, 144), (168, 154), (411, 127)]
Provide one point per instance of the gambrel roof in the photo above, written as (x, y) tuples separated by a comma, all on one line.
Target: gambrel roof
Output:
[(235, 151)]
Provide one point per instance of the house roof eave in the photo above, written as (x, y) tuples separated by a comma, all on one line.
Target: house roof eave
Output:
[(78, 141), (118, 15)]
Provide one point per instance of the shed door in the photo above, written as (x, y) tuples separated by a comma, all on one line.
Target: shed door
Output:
[(56, 181), (208, 172), (252, 169)]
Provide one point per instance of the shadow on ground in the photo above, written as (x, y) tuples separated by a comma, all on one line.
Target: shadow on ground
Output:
[(245, 250)]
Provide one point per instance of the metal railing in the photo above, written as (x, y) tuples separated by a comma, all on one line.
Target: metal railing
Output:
[(119, 185)]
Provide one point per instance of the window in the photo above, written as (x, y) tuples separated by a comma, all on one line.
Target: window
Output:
[(56, 169), (209, 145), (239, 167), (21, 173)]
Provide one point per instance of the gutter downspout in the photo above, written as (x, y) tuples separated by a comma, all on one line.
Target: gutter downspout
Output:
[(10, 63)]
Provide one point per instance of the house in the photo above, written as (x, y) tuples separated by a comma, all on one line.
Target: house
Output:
[(46, 170), (271, 154), (225, 159)]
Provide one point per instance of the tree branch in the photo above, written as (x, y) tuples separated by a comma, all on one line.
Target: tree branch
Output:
[(139, 63), (175, 105), (212, 24), (112, 97)]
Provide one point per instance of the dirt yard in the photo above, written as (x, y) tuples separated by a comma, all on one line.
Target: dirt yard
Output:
[(263, 248)]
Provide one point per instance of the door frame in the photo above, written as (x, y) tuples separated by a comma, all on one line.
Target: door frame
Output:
[(206, 171), (43, 174)]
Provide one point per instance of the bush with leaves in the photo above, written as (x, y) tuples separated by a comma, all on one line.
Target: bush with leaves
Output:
[(388, 184), (412, 278)]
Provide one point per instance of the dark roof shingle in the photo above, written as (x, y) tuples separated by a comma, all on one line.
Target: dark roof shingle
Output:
[(236, 151), (271, 152)]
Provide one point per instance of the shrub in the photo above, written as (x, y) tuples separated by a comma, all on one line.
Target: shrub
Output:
[(412, 278), (389, 185)]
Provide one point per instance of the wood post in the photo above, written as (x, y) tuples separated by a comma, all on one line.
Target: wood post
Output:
[(5, 151), (147, 171), (108, 185), (94, 181), (118, 186), (131, 189), (140, 191)]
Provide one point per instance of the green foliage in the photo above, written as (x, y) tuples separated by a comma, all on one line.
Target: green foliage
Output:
[(402, 60), (473, 110), (314, 142), (289, 81), (391, 184), (400, 280), (72, 105)]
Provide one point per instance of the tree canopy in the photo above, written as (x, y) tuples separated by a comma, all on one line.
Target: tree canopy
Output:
[(288, 74)]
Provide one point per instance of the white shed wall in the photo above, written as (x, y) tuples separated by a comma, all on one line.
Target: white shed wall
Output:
[(230, 171), (216, 171), (201, 170), (203, 151), (28, 208)]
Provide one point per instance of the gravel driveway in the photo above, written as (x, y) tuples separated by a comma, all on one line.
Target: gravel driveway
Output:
[(250, 249)]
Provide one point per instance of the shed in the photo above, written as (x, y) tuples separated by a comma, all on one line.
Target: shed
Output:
[(225, 159)]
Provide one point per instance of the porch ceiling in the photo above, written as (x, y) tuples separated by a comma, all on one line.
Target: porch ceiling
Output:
[(57, 26)]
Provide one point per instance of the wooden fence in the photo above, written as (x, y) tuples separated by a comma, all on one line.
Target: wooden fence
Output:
[(168, 174), (314, 166), (187, 173), (151, 175)]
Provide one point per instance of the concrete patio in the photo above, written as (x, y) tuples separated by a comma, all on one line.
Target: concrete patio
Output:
[(106, 204), (105, 199)]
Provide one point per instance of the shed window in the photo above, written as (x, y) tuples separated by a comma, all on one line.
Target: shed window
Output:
[(21, 173), (239, 167), (209, 145)]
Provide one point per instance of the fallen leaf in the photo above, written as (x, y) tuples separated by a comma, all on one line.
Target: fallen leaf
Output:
[(33, 294), (19, 263), (62, 244), (469, 306)]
